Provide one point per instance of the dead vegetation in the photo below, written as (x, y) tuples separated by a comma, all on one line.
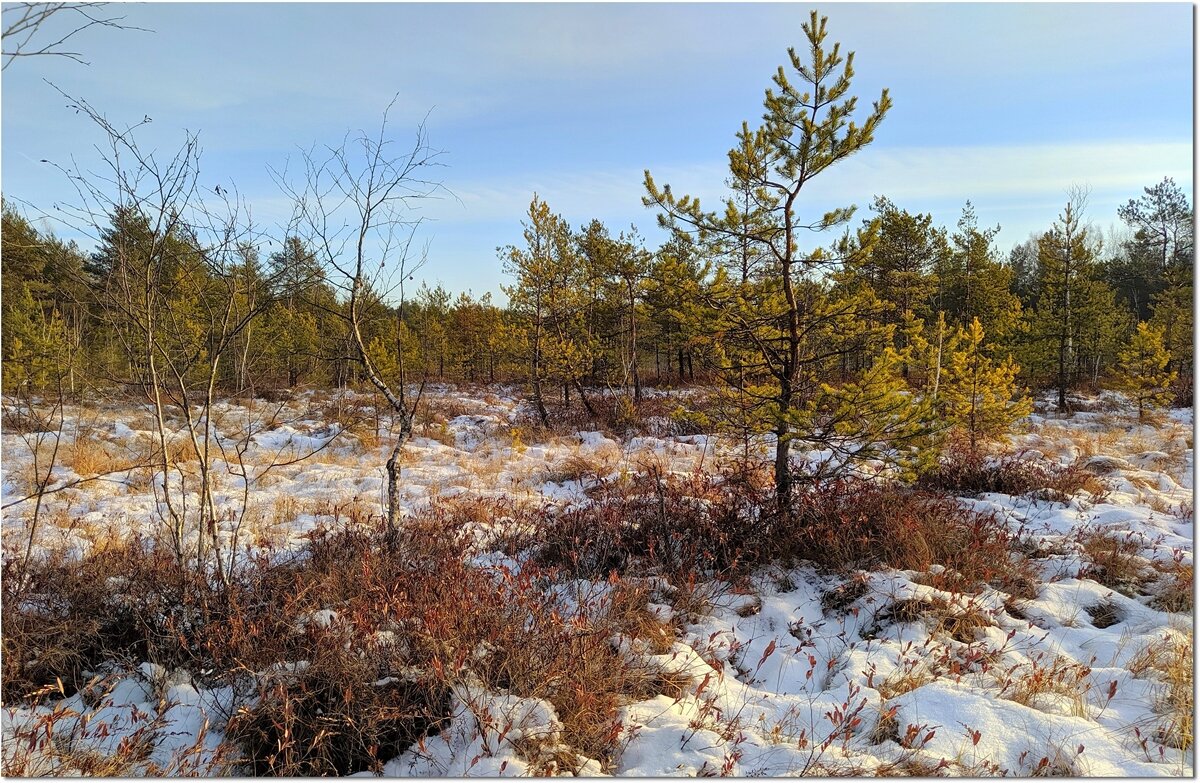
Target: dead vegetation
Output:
[(1114, 560), (1046, 679), (429, 614), (1174, 589), (378, 676), (1170, 661), (964, 471), (960, 622)]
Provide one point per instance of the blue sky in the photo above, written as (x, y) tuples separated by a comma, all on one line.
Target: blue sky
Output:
[(1005, 104)]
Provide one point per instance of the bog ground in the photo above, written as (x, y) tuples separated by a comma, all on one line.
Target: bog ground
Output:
[(580, 602)]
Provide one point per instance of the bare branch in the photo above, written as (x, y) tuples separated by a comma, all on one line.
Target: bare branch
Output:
[(43, 29)]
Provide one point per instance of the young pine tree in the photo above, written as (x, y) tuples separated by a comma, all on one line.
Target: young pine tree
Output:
[(1144, 374), (549, 299), (807, 128), (976, 394), (1163, 252), (1065, 262)]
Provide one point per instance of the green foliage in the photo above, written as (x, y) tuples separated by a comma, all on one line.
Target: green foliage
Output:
[(675, 286), (792, 347), (43, 306), (809, 340), (1075, 327), (972, 283), (899, 266), (1159, 267), (1144, 375), (548, 296), (978, 395)]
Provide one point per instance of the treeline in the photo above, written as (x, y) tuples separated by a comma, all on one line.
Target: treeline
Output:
[(587, 308), (64, 308)]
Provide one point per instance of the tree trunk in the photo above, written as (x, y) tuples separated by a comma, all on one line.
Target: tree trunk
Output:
[(937, 373), (783, 468), (393, 504), (587, 404), (633, 345), (535, 369)]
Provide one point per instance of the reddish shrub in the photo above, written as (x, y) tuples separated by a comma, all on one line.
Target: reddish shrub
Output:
[(676, 528), (963, 471), (856, 524)]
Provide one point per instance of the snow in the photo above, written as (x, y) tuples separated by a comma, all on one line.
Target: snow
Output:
[(772, 682)]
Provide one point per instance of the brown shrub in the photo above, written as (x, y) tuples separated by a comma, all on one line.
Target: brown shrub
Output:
[(615, 414), (417, 612), (855, 524), (341, 714), (1114, 560), (670, 527), (963, 471)]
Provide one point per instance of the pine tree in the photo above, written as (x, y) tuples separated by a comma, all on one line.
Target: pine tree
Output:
[(806, 130), (313, 319), (1162, 254), (1066, 259), (549, 297), (428, 317), (976, 394), (1023, 261), (899, 267), (614, 272), (1144, 375), (673, 296), (44, 306), (971, 283)]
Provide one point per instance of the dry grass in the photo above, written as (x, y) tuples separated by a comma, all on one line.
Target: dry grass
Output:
[(90, 456), (340, 511), (1169, 661), (1175, 588), (439, 409), (941, 617), (436, 431), (1114, 560), (180, 450), (1088, 443), (581, 467), (1045, 679), (913, 674), (1104, 614)]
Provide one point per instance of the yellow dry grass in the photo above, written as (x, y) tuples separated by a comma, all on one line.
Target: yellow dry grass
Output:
[(1056, 677), (1169, 661)]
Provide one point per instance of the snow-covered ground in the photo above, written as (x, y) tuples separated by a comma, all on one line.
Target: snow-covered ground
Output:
[(805, 673)]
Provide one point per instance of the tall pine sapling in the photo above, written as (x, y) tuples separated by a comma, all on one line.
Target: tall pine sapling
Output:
[(975, 394), (1144, 375), (807, 128)]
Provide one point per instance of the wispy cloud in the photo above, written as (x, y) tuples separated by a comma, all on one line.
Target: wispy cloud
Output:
[(910, 176)]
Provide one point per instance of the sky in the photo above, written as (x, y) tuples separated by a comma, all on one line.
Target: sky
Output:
[(1006, 104)]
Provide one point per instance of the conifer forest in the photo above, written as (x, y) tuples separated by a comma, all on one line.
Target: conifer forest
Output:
[(770, 483)]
